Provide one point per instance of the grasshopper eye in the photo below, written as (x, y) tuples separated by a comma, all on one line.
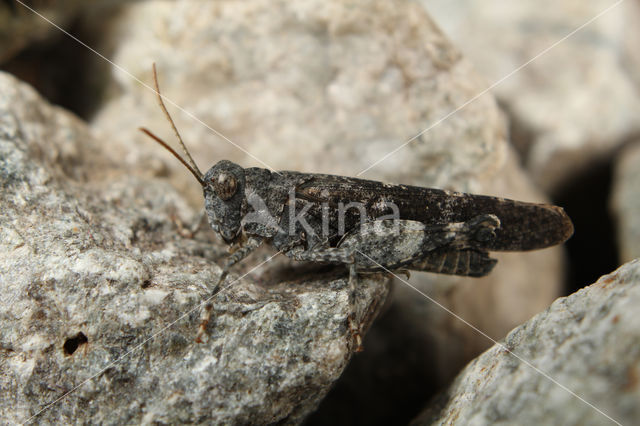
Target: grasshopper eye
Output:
[(225, 185)]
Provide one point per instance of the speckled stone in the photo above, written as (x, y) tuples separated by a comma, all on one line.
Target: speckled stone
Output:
[(588, 342), (100, 296)]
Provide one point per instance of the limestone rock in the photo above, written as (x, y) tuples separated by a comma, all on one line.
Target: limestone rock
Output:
[(625, 202), (588, 342), (571, 106), (100, 296)]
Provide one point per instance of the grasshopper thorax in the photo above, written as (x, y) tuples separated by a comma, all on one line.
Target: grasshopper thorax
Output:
[(223, 186)]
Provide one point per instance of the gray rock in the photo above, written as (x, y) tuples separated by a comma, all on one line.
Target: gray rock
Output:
[(625, 202), (571, 106), (100, 296), (588, 342), (631, 56)]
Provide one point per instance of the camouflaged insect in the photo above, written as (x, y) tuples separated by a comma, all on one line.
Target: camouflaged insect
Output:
[(368, 226)]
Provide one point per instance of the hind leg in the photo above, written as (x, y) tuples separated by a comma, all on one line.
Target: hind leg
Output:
[(406, 244), (465, 262)]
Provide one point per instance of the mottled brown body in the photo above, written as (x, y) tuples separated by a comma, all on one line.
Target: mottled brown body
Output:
[(433, 230), (523, 226), (366, 225)]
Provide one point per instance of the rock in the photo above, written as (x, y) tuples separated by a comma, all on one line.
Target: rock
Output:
[(332, 87), (100, 296), (632, 40), (571, 106), (304, 86), (625, 202), (19, 26), (587, 343)]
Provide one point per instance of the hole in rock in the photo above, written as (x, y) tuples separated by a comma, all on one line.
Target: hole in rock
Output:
[(63, 71), (72, 343)]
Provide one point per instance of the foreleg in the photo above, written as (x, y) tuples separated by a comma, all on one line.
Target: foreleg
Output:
[(238, 253)]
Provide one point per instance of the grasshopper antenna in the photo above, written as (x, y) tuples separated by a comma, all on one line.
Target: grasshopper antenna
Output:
[(191, 166), (195, 173)]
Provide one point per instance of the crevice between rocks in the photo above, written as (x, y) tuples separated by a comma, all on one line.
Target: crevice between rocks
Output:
[(592, 250)]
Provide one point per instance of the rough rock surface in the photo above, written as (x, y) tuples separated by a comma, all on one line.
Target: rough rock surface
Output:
[(589, 342), (625, 202), (100, 296), (332, 86), (572, 105)]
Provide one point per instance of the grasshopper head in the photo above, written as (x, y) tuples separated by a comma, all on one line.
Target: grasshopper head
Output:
[(223, 187), (223, 184)]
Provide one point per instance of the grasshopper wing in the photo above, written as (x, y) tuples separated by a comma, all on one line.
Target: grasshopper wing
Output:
[(523, 226)]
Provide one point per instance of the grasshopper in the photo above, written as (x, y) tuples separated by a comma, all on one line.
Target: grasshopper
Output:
[(366, 225)]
